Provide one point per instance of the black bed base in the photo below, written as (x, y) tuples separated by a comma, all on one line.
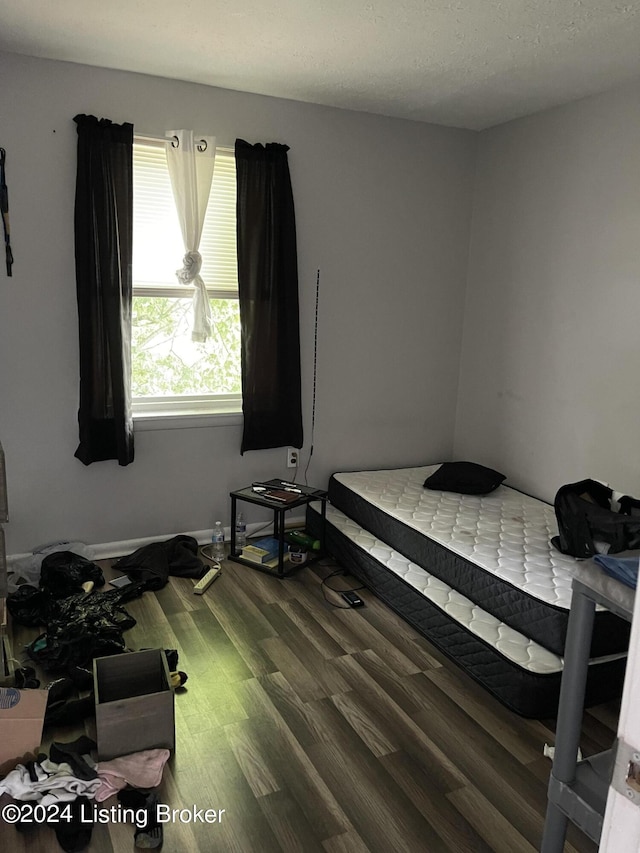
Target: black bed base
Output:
[(543, 623), (526, 693)]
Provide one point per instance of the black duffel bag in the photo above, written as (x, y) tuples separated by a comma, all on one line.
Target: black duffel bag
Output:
[(591, 521)]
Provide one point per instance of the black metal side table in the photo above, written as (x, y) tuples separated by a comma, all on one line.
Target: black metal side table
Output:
[(279, 509)]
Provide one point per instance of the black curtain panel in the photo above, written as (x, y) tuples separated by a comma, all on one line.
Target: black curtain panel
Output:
[(268, 296), (103, 245)]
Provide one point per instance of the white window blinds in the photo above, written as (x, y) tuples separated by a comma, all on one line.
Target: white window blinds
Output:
[(158, 247)]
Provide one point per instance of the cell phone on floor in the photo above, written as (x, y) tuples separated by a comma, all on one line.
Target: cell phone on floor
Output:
[(352, 599)]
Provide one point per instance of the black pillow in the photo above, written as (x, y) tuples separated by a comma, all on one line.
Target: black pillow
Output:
[(467, 478)]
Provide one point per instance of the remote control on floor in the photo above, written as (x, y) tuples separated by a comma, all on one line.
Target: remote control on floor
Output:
[(205, 582)]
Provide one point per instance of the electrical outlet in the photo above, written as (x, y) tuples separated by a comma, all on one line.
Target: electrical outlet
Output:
[(292, 457)]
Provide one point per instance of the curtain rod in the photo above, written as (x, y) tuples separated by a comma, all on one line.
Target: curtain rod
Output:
[(201, 144)]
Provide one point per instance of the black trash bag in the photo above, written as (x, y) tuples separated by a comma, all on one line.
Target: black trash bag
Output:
[(29, 605), (82, 627), (59, 652), (63, 573)]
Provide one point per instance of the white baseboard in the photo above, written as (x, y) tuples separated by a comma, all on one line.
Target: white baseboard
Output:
[(109, 550)]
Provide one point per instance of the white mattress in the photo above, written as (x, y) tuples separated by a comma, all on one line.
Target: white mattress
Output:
[(506, 532), (510, 643)]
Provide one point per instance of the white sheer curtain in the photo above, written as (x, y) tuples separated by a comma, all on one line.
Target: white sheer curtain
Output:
[(191, 171)]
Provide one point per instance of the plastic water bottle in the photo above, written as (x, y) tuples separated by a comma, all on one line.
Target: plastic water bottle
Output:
[(217, 541), (241, 532)]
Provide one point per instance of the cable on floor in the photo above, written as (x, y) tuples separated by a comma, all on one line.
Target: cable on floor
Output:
[(325, 586)]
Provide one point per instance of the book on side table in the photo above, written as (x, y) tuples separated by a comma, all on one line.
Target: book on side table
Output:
[(262, 550)]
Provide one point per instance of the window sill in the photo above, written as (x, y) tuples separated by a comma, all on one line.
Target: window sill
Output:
[(145, 422)]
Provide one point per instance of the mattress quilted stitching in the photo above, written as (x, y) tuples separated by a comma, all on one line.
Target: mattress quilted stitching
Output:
[(513, 645), (508, 642), (506, 533)]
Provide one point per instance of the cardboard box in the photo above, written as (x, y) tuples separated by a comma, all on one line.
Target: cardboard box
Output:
[(21, 720), (134, 703)]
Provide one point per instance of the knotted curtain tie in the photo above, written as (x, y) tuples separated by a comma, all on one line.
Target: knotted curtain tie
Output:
[(191, 266)]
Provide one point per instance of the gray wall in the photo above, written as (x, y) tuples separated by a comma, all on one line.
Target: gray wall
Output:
[(550, 373), (383, 209)]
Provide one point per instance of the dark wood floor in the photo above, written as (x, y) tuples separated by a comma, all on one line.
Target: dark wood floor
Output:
[(329, 730)]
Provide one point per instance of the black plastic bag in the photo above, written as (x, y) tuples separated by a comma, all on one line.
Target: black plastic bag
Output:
[(63, 573), (29, 605), (82, 627)]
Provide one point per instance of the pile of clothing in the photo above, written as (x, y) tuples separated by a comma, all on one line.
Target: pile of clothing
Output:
[(80, 622), (66, 783)]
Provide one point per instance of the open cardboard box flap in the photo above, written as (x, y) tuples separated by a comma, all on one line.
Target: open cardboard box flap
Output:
[(21, 721)]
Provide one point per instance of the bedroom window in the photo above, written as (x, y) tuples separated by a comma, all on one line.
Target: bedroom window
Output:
[(171, 374)]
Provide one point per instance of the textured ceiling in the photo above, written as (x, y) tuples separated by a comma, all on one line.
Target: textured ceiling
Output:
[(471, 63)]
